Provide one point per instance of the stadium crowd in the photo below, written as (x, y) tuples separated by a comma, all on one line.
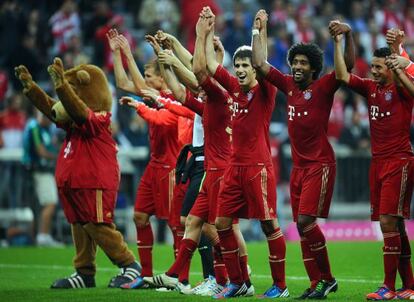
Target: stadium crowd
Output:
[(33, 32)]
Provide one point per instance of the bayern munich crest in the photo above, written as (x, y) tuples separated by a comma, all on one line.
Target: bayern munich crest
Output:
[(388, 96), (307, 95)]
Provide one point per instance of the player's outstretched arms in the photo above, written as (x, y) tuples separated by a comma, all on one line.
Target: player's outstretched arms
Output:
[(338, 28), (184, 75), (393, 63), (168, 41), (208, 19), (121, 79), (199, 59), (259, 46), (394, 38), (138, 80), (341, 72)]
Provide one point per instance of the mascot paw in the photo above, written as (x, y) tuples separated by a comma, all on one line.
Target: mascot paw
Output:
[(56, 71), (24, 76)]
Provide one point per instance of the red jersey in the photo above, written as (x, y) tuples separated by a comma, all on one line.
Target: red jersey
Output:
[(251, 114), (390, 110), (185, 119), (217, 125), (163, 135), (87, 159), (308, 116)]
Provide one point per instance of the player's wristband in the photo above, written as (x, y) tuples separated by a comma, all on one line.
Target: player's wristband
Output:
[(255, 31)]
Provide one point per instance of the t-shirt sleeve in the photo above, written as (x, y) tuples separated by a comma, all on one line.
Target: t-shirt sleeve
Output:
[(329, 83), (158, 117), (359, 85), (213, 90), (227, 80), (179, 109), (278, 79), (192, 103)]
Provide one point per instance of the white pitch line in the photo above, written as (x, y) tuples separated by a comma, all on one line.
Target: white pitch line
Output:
[(107, 269)]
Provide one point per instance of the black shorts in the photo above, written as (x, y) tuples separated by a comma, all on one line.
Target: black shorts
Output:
[(196, 176)]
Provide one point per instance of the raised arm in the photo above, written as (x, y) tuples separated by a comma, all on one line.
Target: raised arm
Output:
[(212, 63), (172, 82), (259, 44), (184, 75), (338, 28), (199, 58), (121, 79), (341, 71), (393, 63), (156, 117), (394, 38), (169, 41), (137, 78)]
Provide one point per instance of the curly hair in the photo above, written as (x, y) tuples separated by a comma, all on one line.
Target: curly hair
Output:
[(382, 52), (312, 52)]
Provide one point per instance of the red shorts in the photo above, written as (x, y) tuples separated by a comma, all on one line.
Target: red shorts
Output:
[(88, 205), (155, 191), (205, 205), (391, 187), (311, 190), (176, 204), (248, 192)]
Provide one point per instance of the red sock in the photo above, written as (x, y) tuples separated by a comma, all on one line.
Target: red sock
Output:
[(317, 246), (187, 248), (391, 254), (310, 264), (404, 265), (277, 254), (230, 252), (219, 266), (145, 241), (178, 234), (243, 267)]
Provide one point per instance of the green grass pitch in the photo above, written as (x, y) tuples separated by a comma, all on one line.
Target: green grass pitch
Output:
[(26, 273)]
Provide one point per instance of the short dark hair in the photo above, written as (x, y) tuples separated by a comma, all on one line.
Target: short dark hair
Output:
[(312, 51), (242, 52), (382, 52)]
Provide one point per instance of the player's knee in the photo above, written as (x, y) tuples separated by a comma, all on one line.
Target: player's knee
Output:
[(389, 223), (223, 223), (303, 222), (268, 227), (183, 220), (141, 219)]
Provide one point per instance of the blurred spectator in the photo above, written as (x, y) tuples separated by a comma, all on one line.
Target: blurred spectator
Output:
[(11, 28), (161, 14), (26, 54), (389, 15), (234, 35), (12, 123), (116, 22), (40, 153), (190, 11), (356, 136), (4, 85), (74, 55), (64, 23)]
